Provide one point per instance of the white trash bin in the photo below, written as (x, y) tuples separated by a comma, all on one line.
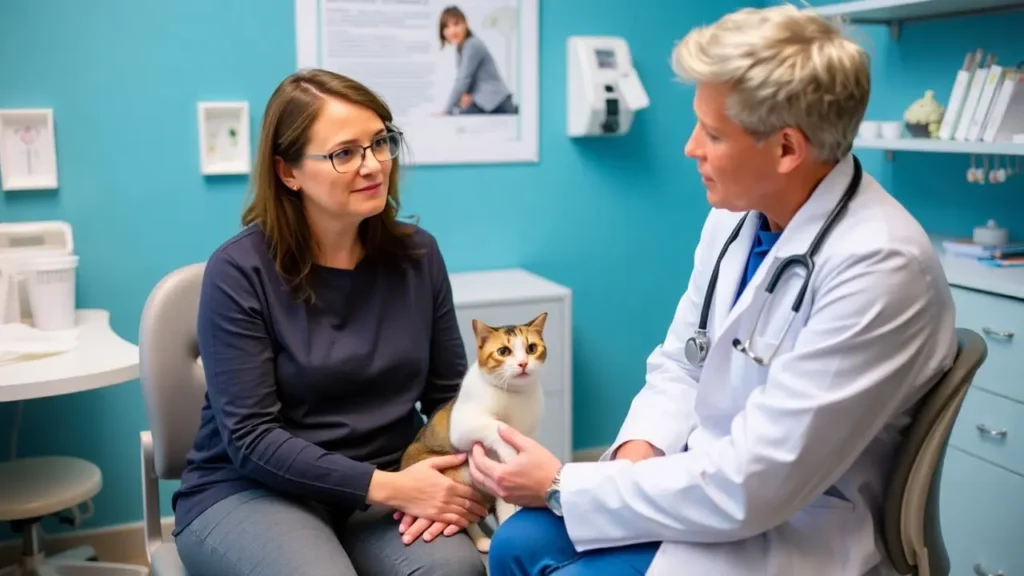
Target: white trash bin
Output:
[(51, 290), (40, 262)]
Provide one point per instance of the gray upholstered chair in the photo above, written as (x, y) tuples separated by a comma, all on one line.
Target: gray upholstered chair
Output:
[(911, 524), (173, 386)]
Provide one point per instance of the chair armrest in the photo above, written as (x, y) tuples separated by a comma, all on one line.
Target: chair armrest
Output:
[(150, 496)]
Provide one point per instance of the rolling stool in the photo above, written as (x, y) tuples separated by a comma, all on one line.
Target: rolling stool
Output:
[(34, 488)]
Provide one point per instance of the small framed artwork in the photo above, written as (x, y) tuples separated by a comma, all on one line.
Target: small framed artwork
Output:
[(224, 138), (28, 152)]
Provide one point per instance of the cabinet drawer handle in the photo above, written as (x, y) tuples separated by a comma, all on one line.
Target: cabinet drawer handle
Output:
[(1005, 335), (982, 572), (996, 433)]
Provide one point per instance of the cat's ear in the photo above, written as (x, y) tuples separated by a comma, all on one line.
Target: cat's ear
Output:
[(481, 331), (538, 322)]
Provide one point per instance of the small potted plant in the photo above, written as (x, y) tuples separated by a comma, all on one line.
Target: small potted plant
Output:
[(924, 116)]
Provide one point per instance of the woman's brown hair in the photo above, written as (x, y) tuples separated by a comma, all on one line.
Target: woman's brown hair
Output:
[(277, 209), (451, 14)]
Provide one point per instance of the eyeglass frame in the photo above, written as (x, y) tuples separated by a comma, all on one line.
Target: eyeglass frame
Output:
[(362, 157)]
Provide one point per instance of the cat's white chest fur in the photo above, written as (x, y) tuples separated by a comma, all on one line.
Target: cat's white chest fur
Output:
[(483, 402)]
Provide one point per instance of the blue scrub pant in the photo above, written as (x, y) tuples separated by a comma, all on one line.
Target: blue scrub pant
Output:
[(534, 542)]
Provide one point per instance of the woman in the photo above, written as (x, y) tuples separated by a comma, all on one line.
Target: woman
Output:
[(321, 325), (478, 87)]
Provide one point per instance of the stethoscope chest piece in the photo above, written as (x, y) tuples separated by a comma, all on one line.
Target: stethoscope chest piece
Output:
[(696, 348)]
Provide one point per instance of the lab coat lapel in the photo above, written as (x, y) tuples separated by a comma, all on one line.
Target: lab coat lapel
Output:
[(795, 239), (730, 273)]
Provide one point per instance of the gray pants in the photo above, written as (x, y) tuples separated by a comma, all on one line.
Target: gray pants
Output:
[(258, 533)]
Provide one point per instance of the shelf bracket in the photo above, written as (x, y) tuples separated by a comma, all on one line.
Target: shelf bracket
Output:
[(894, 30)]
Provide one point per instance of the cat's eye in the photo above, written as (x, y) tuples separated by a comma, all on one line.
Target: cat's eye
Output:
[(531, 348), (504, 351)]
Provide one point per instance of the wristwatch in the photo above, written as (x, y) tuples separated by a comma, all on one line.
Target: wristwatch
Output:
[(553, 497)]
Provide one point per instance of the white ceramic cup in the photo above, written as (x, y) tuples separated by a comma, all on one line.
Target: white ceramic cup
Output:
[(869, 129), (892, 130)]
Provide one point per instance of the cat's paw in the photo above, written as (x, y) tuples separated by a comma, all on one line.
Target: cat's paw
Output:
[(483, 544)]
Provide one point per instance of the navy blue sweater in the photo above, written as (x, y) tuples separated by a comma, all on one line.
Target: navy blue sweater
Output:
[(308, 399)]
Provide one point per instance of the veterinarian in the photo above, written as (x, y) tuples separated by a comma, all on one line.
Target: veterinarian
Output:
[(761, 440)]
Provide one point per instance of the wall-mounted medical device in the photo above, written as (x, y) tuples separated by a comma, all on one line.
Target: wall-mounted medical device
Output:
[(604, 91)]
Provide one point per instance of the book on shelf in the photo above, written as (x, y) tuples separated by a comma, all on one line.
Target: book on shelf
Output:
[(986, 103), (1010, 262)]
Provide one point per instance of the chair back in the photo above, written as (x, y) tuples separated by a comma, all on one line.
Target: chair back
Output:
[(911, 530), (173, 383)]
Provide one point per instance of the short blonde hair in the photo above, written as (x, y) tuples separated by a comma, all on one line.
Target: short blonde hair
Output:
[(787, 68)]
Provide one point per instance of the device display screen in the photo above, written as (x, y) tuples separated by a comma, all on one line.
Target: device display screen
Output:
[(605, 58)]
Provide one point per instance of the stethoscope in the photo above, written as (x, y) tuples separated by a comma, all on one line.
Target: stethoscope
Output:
[(696, 348)]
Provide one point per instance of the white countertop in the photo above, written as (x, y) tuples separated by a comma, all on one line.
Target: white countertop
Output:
[(969, 273), (102, 358)]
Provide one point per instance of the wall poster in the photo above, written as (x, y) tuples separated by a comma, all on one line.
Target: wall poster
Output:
[(460, 76)]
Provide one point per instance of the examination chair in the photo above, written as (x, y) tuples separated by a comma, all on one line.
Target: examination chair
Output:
[(911, 523), (173, 387)]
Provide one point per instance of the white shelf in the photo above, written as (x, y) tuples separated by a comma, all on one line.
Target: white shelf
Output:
[(890, 11), (943, 146)]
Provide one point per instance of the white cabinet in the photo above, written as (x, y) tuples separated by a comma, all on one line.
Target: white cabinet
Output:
[(980, 506), (516, 296)]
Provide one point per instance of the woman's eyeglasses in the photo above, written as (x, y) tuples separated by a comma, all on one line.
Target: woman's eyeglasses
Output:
[(349, 158)]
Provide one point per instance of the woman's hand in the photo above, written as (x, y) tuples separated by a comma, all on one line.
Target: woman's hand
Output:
[(422, 491), (411, 528)]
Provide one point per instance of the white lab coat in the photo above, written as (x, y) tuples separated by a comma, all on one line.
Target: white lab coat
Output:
[(779, 470)]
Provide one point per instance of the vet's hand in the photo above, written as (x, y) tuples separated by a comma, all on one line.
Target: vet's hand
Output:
[(523, 480), (411, 528), (465, 100)]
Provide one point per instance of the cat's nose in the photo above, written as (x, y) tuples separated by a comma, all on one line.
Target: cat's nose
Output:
[(523, 365)]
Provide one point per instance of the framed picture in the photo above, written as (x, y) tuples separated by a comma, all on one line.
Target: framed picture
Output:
[(462, 78), (28, 153), (224, 146)]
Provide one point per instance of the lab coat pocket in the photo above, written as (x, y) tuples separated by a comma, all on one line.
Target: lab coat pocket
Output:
[(829, 526)]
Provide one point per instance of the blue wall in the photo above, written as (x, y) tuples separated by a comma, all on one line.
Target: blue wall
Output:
[(123, 78)]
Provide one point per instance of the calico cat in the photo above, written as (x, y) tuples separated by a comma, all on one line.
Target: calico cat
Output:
[(502, 385)]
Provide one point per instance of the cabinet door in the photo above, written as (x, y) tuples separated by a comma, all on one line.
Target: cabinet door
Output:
[(520, 313), (1000, 320), (982, 515)]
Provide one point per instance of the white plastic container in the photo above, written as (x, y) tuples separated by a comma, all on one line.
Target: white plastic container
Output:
[(51, 290), (991, 235), (39, 259)]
